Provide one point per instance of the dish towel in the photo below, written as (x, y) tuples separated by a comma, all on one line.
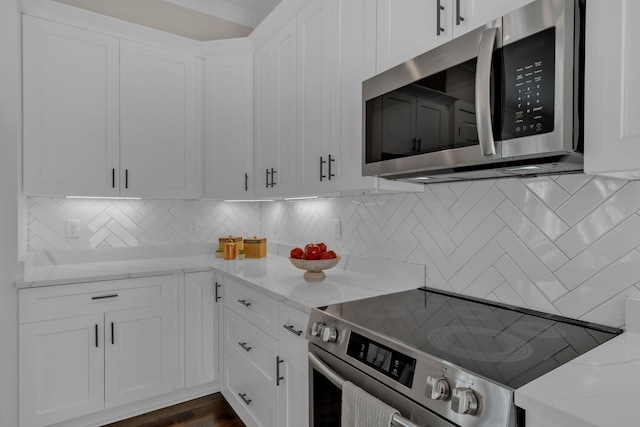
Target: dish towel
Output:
[(360, 409)]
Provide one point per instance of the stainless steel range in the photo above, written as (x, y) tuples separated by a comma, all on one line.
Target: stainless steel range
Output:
[(441, 359)]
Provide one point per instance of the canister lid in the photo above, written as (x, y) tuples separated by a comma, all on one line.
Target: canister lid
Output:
[(255, 239)]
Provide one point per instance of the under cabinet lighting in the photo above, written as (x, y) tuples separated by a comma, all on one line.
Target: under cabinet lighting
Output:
[(301, 198), (248, 201), (523, 168), (103, 197)]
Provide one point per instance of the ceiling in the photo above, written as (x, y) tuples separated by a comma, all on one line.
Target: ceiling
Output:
[(202, 20)]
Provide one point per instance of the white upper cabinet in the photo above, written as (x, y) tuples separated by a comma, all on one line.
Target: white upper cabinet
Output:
[(158, 122), (612, 89), (353, 61), (71, 80), (407, 28), (471, 14), (275, 115), (105, 117), (229, 126), (315, 161)]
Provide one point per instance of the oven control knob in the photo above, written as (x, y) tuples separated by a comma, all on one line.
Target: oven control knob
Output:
[(329, 334), (464, 401), (437, 388), (316, 329)]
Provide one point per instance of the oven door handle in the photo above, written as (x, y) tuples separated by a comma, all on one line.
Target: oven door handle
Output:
[(483, 92), (317, 364)]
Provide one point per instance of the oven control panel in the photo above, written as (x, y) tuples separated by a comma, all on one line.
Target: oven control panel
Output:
[(391, 363)]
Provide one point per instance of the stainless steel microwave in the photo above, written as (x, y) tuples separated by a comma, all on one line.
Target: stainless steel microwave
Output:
[(503, 100)]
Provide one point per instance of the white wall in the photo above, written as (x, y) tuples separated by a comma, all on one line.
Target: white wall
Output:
[(9, 137), (567, 244)]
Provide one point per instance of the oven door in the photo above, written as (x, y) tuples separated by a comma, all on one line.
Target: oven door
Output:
[(326, 375)]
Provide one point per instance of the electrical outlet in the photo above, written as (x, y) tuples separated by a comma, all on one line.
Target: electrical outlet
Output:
[(72, 228), (275, 226), (337, 229), (193, 227)]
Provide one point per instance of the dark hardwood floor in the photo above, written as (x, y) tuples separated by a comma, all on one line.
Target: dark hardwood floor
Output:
[(207, 411)]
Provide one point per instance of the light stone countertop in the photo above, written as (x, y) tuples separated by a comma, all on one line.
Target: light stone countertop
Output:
[(600, 388), (273, 275)]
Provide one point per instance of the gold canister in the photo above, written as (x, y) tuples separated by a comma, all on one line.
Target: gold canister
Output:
[(229, 249), (255, 248), (236, 239)]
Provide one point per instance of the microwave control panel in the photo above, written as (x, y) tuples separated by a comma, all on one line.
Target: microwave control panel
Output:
[(529, 86)]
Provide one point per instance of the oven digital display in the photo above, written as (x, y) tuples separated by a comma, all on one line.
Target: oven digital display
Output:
[(393, 364)]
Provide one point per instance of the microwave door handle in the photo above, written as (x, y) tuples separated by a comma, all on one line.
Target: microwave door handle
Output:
[(483, 92), (317, 364)]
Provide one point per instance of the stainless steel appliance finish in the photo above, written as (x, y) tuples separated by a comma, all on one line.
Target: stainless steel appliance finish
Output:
[(441, 359), (460, 111)]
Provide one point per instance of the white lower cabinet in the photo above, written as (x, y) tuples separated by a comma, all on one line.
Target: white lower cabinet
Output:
[(294, 387), (61, 369), (140, 354), (202, 293), (265, 369), (92, 346)]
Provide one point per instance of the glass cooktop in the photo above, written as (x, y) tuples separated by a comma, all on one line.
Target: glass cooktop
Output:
[(509, 345)]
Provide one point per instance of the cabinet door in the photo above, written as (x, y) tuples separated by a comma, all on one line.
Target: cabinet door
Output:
[(407, 28), (70, 83), (612, 89), (229, 127), (314, 97), (293, 349), (201, 363), (140, 354), (265, 138), (158, 122), (471, 14), (250, 394), (61, 369), (276, 115)]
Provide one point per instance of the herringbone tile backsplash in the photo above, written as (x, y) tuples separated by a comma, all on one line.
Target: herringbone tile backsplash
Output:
[(106, 223), (565, 244)]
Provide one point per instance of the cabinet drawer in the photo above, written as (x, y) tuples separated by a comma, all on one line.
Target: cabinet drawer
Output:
[(249, 393), (54, 302), (250, 345), (254, 306), (293, 345)]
